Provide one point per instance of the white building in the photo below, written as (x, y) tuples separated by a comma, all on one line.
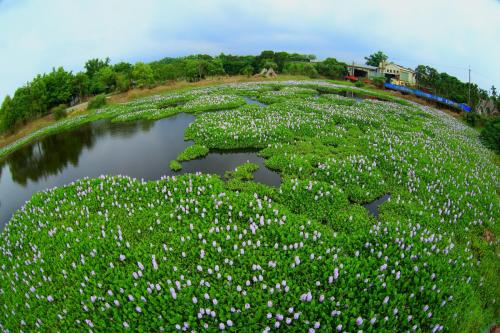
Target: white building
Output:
[(397, 72)]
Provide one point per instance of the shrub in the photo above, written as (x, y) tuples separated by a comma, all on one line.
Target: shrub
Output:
[(247, 70), (96, 102), (359, 84), (301, 68), (378, 81), (490, 134), (59, 111), (472, 118)]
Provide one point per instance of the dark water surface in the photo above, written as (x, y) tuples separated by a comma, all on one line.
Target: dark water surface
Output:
[(140, 149), (373, 206), (254, 101)]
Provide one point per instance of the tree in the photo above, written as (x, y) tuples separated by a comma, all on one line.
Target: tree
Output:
[(376, 58), (81, 85), (215, 68), (122, 82), (104, 81), (247, 71), (6, 116), (300, 68), (195, 70), (93, 66), (494, 92), (490, 134), (331, 68), (58, 84), (123, 68), (142, 75), (234, 65)]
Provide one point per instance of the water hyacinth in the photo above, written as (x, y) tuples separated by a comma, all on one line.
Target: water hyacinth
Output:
[(195, 253)]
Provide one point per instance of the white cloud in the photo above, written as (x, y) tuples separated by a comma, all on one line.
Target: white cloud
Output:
[(447, 34)]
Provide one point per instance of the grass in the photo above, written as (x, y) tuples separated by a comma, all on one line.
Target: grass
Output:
[(199, 253)]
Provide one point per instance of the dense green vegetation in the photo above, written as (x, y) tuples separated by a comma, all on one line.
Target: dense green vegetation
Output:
[(60, 87), (192, 152), (96, 102), (194, 252), (448, 86), (490, 134), (376, 58), (175, 165)]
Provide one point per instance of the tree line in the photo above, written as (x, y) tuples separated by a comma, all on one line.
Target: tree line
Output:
[(448, 86), (61, 88), (55, 91)]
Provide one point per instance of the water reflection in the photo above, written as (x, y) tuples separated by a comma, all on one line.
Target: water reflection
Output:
[(140, 149)]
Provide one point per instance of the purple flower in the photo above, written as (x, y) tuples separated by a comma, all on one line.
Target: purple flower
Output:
[(172, 292), (359, 321), (153, 261)]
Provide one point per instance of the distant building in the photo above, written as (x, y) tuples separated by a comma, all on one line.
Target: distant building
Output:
[(392, 72), (362, 71), (397, 72)]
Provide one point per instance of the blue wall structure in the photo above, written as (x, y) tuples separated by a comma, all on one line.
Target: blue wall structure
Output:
[(420, 93)]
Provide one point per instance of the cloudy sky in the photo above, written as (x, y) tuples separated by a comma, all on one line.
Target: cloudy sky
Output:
[(449, 35)]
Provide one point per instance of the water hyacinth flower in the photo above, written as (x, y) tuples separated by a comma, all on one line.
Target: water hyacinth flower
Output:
[(227, 221), (173, 293), (153, 262)]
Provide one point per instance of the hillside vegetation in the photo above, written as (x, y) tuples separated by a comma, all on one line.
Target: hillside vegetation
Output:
[(196, 252)]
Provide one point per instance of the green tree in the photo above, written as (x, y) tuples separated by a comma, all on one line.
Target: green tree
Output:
[(234, 64), (142, 75), (38, 98), (331, 68), (58, 84), (376, 58), (247, 70), (93, 66), (215, 68), (104, 81), (6, 116), (124, 68), (490, 134), (122, 82), (300, 68), (81, 85)]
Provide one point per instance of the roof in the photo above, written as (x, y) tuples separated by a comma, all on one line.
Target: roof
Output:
[(401, 67), (362, 66)]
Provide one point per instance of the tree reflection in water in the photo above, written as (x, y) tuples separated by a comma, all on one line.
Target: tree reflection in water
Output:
[(52, 154)]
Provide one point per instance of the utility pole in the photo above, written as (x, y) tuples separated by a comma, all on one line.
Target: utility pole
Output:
[(469, 86)]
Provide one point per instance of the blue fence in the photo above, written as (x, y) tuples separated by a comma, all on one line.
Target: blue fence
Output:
[(432, 97)]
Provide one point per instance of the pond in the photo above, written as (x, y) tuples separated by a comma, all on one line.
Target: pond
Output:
[(140, 149), (373, 206)]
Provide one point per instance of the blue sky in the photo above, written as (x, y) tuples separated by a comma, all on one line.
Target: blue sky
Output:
[(449, 35)]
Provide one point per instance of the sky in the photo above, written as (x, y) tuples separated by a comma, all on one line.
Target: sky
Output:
[(449, 35)]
